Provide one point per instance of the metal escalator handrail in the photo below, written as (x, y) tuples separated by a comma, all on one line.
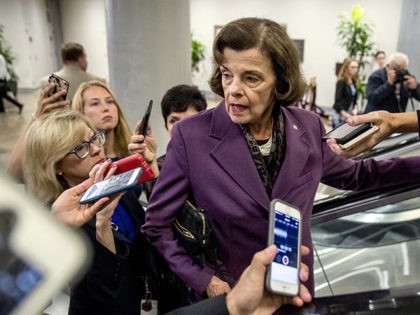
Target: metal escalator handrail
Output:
[(354, 202)]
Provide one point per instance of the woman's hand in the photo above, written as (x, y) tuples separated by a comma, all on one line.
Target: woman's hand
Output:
[(67, 207), (104, 234), (146, 146), (47, 104), (217, 287)]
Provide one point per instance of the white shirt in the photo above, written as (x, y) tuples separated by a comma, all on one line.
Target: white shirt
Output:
[(4, 74)]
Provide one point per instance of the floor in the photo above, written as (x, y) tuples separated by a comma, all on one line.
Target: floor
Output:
[(13, 124)]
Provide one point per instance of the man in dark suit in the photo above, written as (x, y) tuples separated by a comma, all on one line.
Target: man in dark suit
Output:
[(391, 87)]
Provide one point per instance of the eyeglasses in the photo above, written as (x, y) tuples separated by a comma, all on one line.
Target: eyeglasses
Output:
[(82, 150)]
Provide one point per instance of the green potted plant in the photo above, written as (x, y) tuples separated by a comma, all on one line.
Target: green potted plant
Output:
[(355, 35), (197, 53), (6, 51)]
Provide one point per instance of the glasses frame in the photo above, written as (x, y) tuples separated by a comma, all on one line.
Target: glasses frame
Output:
[(100, 134)]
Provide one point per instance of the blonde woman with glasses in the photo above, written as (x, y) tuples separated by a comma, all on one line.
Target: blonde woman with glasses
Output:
[(62, 150)]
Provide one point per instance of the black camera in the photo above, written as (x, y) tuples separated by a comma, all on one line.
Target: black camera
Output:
[(399, 75)]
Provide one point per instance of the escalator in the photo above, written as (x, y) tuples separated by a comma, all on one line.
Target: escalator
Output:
[(367, 245)]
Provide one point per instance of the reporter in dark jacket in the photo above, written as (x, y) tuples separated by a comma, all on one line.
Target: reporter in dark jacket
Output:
[(391, 87), (345, 92)]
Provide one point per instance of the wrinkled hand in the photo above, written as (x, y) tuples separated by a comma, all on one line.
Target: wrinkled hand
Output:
[(67, 207), (249, 295), (217, 287), (47, 104)]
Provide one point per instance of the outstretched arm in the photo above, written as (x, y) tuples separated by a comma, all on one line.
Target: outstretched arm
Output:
[(388, 123), (46, 104)]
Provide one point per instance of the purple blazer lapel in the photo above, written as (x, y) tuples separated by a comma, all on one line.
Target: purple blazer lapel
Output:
[(233, 156), (297, 153)]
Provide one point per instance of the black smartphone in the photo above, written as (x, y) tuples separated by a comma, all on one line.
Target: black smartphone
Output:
[(145, 120), (285, 232), (112, 185), (346, 133), (60, 84)]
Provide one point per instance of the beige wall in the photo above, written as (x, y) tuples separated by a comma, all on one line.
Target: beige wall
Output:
[(315, 21)]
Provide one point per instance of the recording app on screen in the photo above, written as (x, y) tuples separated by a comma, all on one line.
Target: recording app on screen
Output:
[(17, 278), (284, 267)]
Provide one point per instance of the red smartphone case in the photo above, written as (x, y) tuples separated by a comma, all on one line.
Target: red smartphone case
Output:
[(133, 161)]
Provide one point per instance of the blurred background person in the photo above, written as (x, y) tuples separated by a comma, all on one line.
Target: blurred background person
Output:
[(391, 87), (345, 104), (74, 69), (380, 59), (4, 87)]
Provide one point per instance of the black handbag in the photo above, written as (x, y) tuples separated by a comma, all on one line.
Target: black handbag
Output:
[(195, 234)]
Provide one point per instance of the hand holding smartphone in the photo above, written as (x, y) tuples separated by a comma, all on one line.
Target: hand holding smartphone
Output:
[(60, 84), (145, 120), (111, 186), (285, 232), (349, 136), (131, 162)]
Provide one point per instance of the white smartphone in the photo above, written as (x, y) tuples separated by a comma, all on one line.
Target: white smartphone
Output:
[(285, 232), (112, 185), (39, 256)]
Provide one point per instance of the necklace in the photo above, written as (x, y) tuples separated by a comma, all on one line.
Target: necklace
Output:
[(266, 147)]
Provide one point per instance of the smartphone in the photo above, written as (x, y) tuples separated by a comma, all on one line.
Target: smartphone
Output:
[(285, 232), (60, 84), (112, 185), (35, 260), (348, 136), (131, 162), (145, 120)]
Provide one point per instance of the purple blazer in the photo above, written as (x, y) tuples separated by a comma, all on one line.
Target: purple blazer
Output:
[(209, 157)]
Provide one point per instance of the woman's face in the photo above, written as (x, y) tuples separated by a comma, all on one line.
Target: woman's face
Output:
[(380, 60), (100, 108), (74, 169), (248, 82), (174, 117), (353, 68)]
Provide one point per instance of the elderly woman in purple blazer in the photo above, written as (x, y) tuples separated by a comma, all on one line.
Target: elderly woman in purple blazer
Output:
[(250, 149)]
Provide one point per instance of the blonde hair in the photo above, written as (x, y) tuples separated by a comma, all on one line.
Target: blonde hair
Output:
[(122, 130), (47, 142)]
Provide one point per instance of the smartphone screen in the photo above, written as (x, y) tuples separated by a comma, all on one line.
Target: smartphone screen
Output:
[(283, 272), (112, 185), (18, 277), (145, 120)]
